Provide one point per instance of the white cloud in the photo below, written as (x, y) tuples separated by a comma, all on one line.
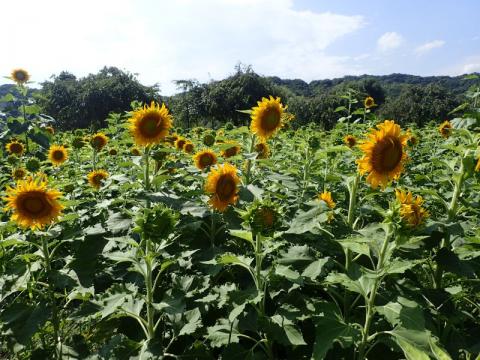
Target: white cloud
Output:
[(164, 40), (467, 65), (389, 41), (471, 67), (427, 47)]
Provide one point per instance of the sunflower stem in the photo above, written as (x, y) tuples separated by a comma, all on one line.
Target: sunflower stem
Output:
[(249, 161), (51, 295), (370, 303), (452, 212), (352, 203), (147, 173), (149, 288)]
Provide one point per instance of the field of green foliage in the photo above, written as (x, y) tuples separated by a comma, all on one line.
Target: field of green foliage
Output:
[(144, 240)]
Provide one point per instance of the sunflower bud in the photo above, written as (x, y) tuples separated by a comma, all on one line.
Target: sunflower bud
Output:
[(228, 126), (68, 188), (33, 165), (78, 142), (209, 139), (157, 223), (314, 142), (12, 159), (263, 217)]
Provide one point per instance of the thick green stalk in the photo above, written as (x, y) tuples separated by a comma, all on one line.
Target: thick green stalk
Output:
[(149, 287), (249, 162), (146, 174), (352, 204), (370, 306), (51, 294)]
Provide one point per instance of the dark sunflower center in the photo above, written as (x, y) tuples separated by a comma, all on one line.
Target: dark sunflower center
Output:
[(98, 142), (151, 126), (180, 144), (225, 187), (20, 75), (271, 119), (387, 154), (268, 217), (58, 155), (97, 179), (231, 151), (206, 160), (34, 204), (16, 148)]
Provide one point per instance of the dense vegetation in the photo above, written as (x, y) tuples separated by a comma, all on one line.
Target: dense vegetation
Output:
[(258, 242), (87, 101)]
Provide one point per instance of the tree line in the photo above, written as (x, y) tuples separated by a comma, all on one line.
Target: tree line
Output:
[(84, 102)]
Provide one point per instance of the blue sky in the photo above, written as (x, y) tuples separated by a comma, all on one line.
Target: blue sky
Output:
[(164, 40)]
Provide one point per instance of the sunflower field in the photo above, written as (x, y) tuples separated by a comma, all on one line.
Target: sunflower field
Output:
[(144, 240)]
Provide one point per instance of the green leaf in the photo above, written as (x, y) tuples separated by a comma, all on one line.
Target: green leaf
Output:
[(411, 351), (223, 334), (439, 353), (308, 221), (405, 313), (286, 272), (117, 222), (315, 268), (244, 235), (194, 321)]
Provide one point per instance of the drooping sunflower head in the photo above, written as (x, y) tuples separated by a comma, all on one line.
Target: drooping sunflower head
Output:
[(96, 178), (20, 76), (369, 102), (15, 147), (231, 148), (150, 124), (33, 204), (57, 154), (222, 184), (262, 150), (19, 173), (445, 129), (350, 141), (326, 197), (411, 209), (98, 141), (180, 142), (204, 159), (188, 147), (383, 154), (267, 117)]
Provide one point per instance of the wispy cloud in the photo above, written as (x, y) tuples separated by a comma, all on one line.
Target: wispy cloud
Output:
[(427, 47), (165, 40), (390, 41)]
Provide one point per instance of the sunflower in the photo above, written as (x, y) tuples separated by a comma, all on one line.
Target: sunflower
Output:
[(20, 76), (15, 147), (57, 154), (179, 143), (326, 196), (232, 150), (222, 183), (267, 117), (383, 154), (135, 152), (188, 147), (33, 204), (412, 138), (445, 129), (50, 130), (411, 210), (98, 141), (204, 159), (262, 150), (350, 141), (369, 102), (96, 177), (19, 173), (150, 124)]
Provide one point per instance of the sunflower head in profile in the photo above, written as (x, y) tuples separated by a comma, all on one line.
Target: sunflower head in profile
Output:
[(369, 102), (20, 76), (78, 142), (57, 154), (204, 159), (350, 141), (383, 154), (222, 184), (33, 204), (267, 117), (411, 209), (263, 217), (262, 150), (326, 197), (230, 149), (188, 147), (179, 143), (445, 129), (98, 141), (50, 130), (149, 125), (15, 147), (96, 178), (19, 173)]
